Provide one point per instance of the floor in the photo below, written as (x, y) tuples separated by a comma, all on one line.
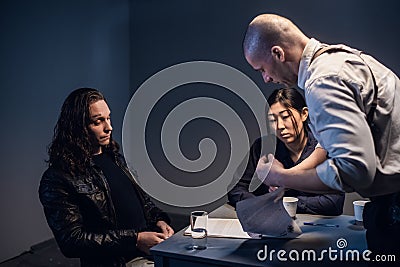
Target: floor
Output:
[(44, 254)]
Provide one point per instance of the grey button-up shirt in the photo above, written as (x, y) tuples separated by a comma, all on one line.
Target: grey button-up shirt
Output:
[(339, 92)]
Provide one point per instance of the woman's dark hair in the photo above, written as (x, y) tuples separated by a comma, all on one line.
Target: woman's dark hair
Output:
[(289, 98), (71, 149)]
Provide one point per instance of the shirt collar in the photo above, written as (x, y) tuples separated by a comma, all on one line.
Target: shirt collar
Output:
[(311, 48)]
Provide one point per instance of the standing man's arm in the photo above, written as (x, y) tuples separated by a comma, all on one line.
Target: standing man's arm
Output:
[(299, 179)]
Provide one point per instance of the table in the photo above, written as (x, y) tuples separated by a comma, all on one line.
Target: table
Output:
[(327, 246)]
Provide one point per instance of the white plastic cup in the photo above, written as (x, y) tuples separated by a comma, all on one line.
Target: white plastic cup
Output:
[(359, 209), (290, 204)]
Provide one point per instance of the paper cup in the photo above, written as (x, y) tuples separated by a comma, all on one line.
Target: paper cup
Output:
[(358, 209), (290, 204)]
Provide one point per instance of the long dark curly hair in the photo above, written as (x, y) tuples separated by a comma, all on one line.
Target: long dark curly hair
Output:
[(71, 149)]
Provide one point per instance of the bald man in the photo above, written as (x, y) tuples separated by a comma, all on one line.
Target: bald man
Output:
[(354, 110)]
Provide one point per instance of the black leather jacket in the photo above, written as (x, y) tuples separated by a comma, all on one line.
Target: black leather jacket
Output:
[(80, 212)]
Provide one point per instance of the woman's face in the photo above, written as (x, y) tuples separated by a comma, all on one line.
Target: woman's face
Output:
[(284, 124), (100, 124)]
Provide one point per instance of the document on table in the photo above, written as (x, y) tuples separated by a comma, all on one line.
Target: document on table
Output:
[(218, 227), (265, 215)]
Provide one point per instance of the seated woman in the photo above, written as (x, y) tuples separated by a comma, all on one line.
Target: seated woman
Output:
[(287, 116)]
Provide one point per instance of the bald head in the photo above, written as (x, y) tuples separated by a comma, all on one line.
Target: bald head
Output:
[(268, 30)]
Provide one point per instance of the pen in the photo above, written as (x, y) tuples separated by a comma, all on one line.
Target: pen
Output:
[(321, 224)]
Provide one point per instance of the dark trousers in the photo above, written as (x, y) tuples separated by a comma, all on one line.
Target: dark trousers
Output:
[(382, 220)]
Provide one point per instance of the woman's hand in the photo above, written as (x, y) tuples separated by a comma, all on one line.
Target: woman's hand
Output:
[(146, 240), (165, 228)]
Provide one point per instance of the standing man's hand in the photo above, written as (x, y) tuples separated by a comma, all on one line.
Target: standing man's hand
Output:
[(269, 170), (272, 188), (165, 228)]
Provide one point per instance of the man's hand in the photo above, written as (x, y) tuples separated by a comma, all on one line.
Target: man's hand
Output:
[(272, 188), (165, 228), (302, 178), (146, 240), (269, 169)]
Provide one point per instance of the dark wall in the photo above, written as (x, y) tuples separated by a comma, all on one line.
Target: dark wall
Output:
[(48, 48), (170, 32), (165, 33)]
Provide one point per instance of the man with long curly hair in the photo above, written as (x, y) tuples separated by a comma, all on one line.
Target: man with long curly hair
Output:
[(92, 203)]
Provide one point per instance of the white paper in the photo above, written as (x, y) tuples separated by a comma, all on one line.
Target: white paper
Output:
[(218, 227)]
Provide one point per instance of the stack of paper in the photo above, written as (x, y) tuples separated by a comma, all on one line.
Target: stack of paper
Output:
[(216, 227)]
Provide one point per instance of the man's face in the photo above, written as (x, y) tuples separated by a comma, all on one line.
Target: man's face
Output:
[(272, 70), (100, 124)]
